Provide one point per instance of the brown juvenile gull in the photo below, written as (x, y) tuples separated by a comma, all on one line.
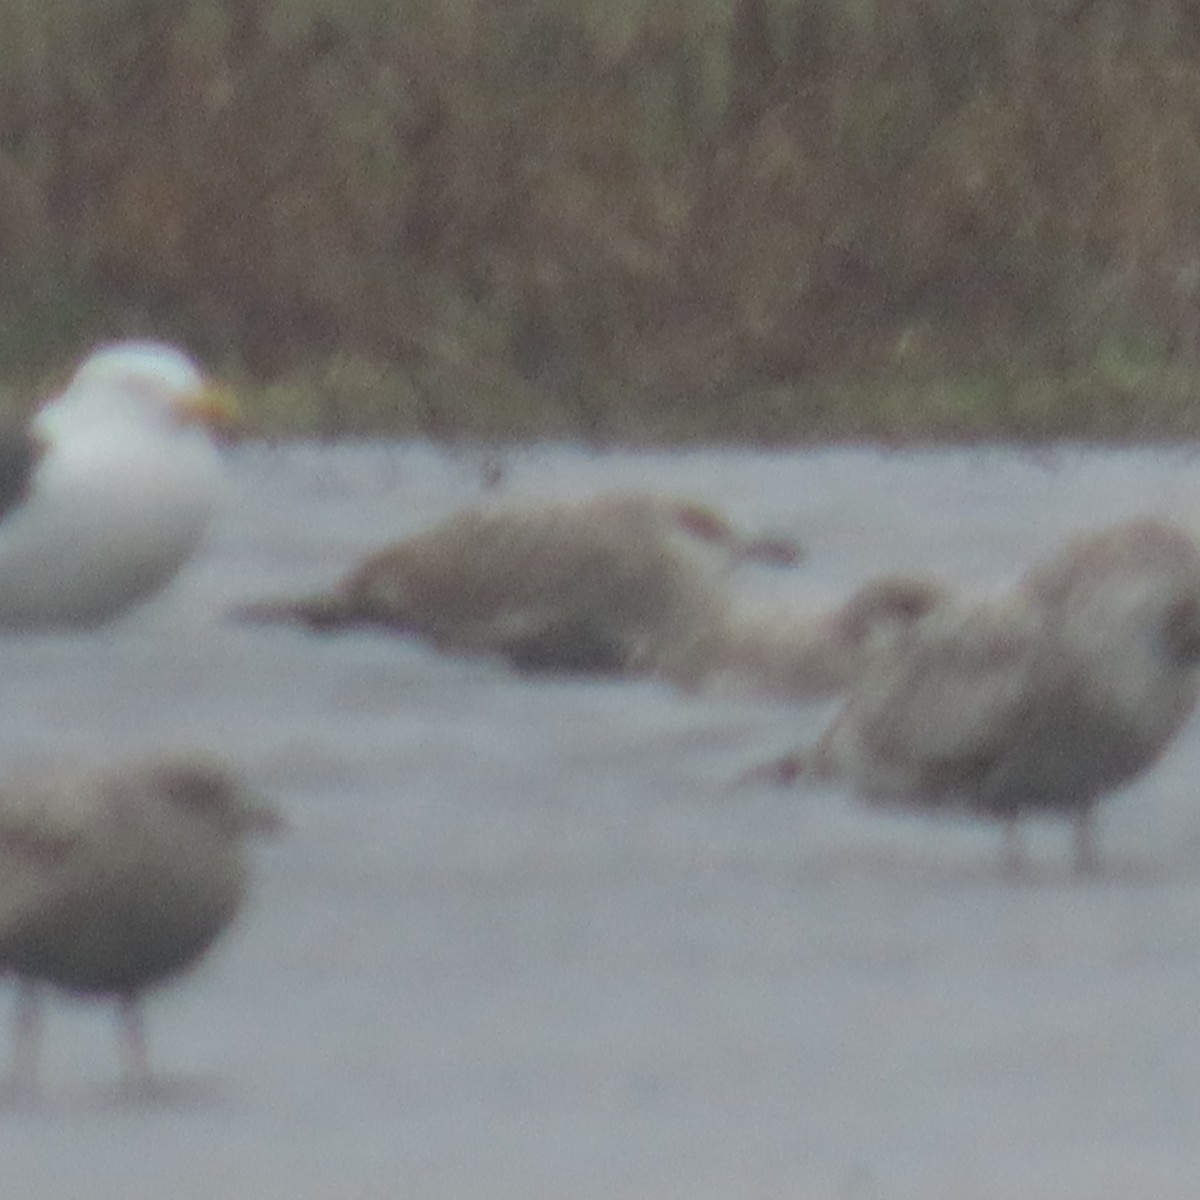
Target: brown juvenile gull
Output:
[(113, 879), (786, 651), (109, 490), (1041, 701), (621, 582)]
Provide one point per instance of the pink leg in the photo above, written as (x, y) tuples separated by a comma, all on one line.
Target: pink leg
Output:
[(1085, 843), (1013, 857), (27, 1038), (133, 1041)]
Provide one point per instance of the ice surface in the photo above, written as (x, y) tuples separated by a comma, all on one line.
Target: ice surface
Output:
[(526, 940)]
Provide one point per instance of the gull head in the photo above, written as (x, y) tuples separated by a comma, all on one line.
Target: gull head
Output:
[(143, 383)]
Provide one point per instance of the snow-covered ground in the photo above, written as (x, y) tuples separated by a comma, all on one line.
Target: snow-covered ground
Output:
[(526, 939)]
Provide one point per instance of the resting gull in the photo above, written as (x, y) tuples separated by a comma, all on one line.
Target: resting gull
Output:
[(108, 491), (620, 582), (796, 654), (114, 879)]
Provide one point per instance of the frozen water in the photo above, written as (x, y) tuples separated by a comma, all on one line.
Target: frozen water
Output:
[(525, 939)]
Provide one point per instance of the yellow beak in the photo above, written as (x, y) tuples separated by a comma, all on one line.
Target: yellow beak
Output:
[(213, 406)]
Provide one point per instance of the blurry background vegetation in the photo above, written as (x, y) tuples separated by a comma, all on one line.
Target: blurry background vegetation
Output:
[(618, 219)]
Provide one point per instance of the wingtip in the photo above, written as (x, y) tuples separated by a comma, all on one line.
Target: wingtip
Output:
[(312, 612)]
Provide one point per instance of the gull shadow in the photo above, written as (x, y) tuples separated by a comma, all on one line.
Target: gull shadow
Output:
[(176, 1094), (161, 1093), (910, 867)]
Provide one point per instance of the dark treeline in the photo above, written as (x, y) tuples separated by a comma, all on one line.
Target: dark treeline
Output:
[(673, 217)]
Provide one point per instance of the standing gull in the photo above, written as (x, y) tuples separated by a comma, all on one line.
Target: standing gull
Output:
[(621, 582), (115, 879), (1044, 700), (109, 490)]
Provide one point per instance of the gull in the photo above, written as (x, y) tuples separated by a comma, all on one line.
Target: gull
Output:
[(109, 489), (799, 654), (1042, 700), (623, 582), (114, 879)]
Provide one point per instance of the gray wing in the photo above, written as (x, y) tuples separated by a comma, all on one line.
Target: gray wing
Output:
[(20, 453), (931, 723)]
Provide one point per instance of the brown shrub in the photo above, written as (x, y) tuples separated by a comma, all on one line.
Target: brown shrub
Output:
[(663, 202)]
